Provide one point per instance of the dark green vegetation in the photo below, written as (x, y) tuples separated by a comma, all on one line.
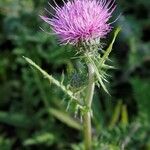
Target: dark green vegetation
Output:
[(32, 112)]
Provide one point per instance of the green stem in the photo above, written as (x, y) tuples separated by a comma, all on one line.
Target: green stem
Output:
[(88, 103)]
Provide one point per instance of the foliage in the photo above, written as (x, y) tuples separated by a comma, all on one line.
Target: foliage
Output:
[(33, 112)]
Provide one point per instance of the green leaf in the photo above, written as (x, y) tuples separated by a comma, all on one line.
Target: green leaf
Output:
[(44, 138), (98, 67), (6, 143), (124, 116), (116, 114), (99, 77), (53, 80), (109, 49), (141, 89), (65, 118), (14, 119)]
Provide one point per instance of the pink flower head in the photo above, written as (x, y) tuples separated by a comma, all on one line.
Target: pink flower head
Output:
[(81, 20)]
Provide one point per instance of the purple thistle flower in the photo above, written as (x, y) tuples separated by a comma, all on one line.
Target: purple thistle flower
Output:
[(81, 20)]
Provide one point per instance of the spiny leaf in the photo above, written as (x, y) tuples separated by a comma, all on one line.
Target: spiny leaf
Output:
[(108, 66), (53, 80), (109, 49), (68, 105), (104, 78), (97, 73), (102, 61)]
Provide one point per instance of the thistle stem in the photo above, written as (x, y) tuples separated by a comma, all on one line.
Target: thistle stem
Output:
[(87, 114)]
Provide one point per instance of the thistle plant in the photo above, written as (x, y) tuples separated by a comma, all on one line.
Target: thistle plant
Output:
[(83, 24)]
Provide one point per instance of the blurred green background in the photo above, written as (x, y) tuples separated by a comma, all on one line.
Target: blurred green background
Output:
[(32, 112)]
